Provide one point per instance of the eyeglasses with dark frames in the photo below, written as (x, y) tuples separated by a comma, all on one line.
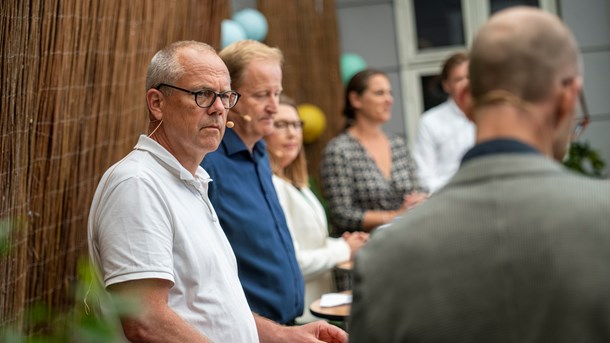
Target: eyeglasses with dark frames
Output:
[(582, 120), (284, 124), (582, 117), (206, 97)]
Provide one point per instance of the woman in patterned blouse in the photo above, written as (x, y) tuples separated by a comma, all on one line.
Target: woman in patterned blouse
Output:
[(368, 177)]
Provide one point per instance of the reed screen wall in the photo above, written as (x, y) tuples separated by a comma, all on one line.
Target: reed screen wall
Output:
[(72, 77), (72, 103), (306, 32)]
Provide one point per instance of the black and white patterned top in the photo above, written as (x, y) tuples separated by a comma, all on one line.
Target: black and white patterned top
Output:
[(353, 184)]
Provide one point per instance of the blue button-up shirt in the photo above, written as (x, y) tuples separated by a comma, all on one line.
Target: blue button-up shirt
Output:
[(250, 214)]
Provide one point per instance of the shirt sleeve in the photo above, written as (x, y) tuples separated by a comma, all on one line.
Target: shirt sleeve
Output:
[(135, 235), (424, 155), (312, 262), (337, 182)]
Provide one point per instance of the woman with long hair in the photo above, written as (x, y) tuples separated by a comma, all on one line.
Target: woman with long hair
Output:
[(368, 176), (317, 253)]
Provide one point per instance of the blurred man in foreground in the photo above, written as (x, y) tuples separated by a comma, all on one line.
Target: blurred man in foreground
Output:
[(444, 133), (515, 247)]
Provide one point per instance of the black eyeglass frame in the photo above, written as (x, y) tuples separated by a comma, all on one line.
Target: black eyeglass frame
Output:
[(284, 124), (581, 123), (197, 93)]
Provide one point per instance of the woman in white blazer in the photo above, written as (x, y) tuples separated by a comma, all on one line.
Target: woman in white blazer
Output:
[(317, 253)]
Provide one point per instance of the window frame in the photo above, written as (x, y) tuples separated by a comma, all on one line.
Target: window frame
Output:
[(414, 63)]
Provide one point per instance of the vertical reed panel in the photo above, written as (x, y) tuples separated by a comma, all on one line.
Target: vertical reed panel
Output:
[(306, 32), (72, 76)]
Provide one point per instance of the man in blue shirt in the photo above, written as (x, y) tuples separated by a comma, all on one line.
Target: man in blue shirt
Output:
[(243, 194), (245, 200)]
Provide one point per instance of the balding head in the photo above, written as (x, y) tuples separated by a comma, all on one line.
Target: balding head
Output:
[(166, 67), (524, 51)]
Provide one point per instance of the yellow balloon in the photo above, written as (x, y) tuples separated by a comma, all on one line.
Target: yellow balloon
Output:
[(314, 122)]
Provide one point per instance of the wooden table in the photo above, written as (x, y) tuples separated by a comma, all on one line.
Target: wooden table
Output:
[(340, 313)]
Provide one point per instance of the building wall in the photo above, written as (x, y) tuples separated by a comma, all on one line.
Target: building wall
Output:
[(368, 29), (590, 22)]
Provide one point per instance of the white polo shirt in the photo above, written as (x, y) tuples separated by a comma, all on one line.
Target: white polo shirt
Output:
[(150, 218)]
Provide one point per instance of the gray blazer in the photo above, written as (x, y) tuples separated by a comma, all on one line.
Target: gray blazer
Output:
[(514, 249)]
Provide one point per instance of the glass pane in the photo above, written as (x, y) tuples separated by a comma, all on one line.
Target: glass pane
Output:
[(438, 23), (432, 89), (497, 5)]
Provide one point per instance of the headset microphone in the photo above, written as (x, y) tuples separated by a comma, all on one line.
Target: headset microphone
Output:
[(231, 124), (153, 131), (245, 117)]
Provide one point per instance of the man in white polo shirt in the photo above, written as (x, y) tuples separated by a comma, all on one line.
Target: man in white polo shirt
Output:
[(153, 233)]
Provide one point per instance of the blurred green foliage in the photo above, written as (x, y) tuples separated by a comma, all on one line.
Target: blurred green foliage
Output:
[(81, 323), (585, 160)]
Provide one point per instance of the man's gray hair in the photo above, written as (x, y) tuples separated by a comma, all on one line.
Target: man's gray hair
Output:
[(165, 66)]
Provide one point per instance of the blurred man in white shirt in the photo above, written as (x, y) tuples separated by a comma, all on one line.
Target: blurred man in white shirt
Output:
[(444, 132)]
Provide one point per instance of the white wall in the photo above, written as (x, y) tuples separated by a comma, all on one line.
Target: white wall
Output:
[(367, 29), (590, 22)]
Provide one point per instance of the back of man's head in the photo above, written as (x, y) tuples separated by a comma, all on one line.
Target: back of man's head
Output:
[(524, 51)]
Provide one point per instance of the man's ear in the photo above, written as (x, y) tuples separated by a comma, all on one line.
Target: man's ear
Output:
[(566, 103), (154, 101), (445, 86), (463, 100)]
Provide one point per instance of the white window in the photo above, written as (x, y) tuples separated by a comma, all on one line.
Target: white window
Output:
[(428, 31)]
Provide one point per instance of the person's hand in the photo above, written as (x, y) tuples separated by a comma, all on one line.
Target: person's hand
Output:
[(317, 332), (412, 199), (355, 240)]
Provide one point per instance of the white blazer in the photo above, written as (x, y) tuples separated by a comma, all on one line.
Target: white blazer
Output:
[(316, 253)]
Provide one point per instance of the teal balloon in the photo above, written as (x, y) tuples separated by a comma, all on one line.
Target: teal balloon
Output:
[(230, 32), (350, 65), (253, 22)]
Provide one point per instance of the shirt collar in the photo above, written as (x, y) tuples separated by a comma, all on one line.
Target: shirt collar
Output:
[(233, 144), (498, 146), (453, 105), (455, 109), (151, 146)]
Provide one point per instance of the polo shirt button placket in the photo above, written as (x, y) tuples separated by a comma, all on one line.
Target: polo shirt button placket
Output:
[(203, 196)]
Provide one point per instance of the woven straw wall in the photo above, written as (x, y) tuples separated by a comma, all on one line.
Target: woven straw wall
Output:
[(72, 76), (306, 32)]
